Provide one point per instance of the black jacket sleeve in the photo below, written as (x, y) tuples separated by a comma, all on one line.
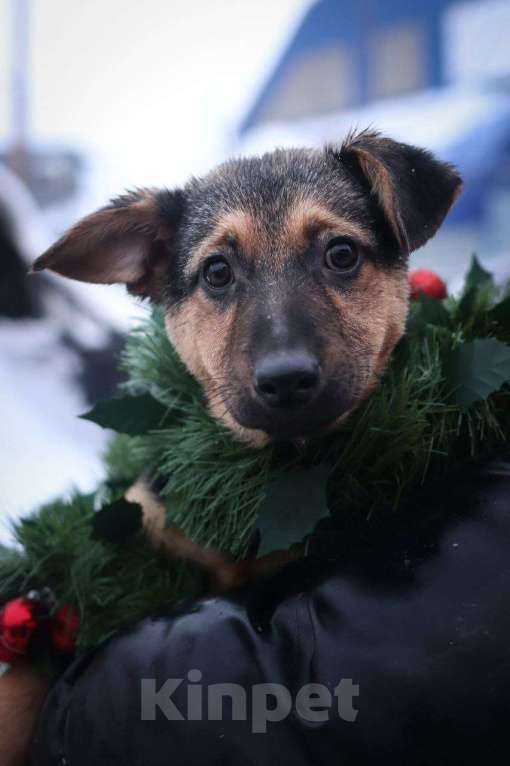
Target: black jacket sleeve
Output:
[(397, 652)]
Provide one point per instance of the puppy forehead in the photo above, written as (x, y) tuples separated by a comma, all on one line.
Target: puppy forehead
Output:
[(265, 189), (251, 234), (279, 196), (309, 215)]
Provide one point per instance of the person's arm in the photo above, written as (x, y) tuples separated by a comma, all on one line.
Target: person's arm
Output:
[(406, 639), (22, 693)]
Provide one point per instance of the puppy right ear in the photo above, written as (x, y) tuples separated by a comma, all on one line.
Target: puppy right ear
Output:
[(412, 188), (129, 241)]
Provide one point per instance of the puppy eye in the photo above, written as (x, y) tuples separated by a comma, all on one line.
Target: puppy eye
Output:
[(217, 273), (341, 255)]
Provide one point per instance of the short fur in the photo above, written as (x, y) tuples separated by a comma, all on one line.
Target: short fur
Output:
[(272, 217)]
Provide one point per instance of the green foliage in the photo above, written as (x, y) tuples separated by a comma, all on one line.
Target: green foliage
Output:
[(499, 317), (444, 399), (477, 276), (477, 369), (293, 505), (112, 586), (214, 486), (428, 312), (211, 484), (132, 415)]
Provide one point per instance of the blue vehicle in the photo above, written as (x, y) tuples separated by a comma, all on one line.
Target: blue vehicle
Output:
[(436, 74)]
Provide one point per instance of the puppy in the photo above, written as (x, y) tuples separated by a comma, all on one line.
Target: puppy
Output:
[(283, 278)]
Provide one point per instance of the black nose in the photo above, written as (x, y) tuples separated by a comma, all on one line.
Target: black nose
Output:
[(286, 380)]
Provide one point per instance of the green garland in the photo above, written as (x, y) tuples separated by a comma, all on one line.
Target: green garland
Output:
[(445, 399)]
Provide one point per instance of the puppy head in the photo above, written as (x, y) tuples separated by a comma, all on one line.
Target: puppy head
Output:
[(284, 278)]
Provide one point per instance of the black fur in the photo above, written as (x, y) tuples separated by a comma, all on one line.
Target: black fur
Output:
[(268, 185), (424, 186)]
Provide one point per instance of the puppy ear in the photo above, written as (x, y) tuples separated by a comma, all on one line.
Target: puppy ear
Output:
[(128, 241), (413, 189)]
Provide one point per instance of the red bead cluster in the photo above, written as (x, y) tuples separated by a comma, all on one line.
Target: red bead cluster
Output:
[(64, 628), (22, 618), (424, 281), (18, 624)]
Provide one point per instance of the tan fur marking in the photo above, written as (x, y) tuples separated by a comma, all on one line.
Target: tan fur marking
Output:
[(307, 215), (170, 538), (382, 186), (225, 574), (200, 332), (375, 311), (236, 224), (373, 315)]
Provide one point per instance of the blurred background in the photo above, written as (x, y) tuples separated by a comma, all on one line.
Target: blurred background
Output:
[(97, 97)]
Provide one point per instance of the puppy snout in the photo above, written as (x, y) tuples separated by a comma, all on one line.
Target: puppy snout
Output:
[(286, 379)]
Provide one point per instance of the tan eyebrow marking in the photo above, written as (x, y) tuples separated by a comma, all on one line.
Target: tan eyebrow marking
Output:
[(233, 226), (307, 215), (241, 227)]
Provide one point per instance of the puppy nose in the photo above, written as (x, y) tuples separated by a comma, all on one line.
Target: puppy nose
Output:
[(286, 380)]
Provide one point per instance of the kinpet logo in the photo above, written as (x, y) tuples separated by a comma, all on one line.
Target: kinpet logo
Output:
[(260, 704)]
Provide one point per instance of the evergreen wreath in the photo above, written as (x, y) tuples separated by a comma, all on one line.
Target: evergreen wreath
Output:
[(444, 400)]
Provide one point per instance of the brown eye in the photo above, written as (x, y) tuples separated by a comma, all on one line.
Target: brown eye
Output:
[(341, 255), (217, 273)]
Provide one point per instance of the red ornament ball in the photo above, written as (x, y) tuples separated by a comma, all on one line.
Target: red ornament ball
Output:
[(64, 629), (427, 282), (18, 622)]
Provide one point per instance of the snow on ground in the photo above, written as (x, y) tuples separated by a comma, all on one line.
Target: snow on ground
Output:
[(45, 449)]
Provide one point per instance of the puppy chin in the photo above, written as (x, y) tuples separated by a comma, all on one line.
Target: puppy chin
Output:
[(292, 425), (252, 437)]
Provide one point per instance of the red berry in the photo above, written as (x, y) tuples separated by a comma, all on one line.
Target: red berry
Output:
[(427, 282), (18, 622), (64, 629), (7, 656)]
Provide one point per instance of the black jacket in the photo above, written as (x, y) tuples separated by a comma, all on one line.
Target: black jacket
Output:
[(417, 616)]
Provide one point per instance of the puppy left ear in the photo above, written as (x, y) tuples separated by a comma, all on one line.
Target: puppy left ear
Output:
[(413, 189), (129, 241)]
